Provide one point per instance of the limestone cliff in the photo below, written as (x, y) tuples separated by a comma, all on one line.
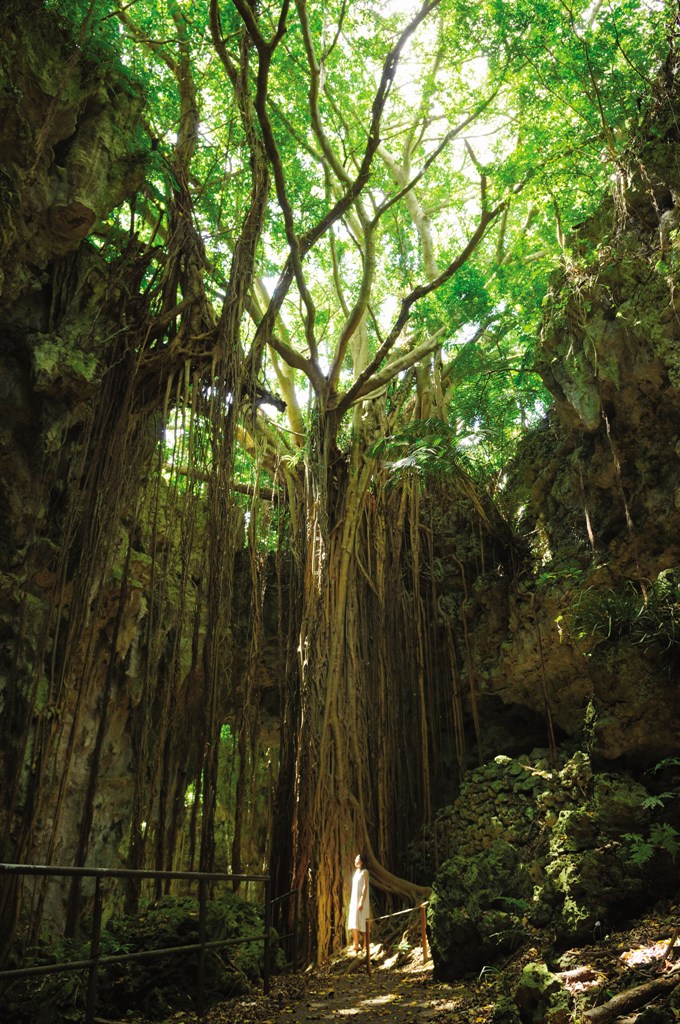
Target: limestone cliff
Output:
[(101, 682), (70, 151), (560, 619), (596, 489)]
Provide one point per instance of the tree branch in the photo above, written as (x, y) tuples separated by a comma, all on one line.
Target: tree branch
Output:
[(265, 53), (486, 218), (311, 237), (631, 999), (400, 363)]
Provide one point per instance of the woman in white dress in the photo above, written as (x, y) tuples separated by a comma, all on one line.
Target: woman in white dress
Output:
[(360, 903)]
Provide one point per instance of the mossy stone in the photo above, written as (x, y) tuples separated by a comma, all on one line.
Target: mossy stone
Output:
[(539, 992)]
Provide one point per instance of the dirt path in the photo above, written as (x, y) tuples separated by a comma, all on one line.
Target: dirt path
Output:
[(342, 995), (399, 990)]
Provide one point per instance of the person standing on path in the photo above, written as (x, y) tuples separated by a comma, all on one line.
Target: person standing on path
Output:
[(360, 902)]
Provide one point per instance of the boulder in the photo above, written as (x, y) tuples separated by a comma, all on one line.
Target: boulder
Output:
[(476, 910), (541, 997)]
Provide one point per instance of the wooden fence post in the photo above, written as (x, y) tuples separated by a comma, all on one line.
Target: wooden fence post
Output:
[(423, 931)]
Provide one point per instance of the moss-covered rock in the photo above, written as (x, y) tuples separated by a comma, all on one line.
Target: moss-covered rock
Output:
[(541, 997), (619, 805), (592, 886), (476, 910), (673, 1004), (505, 1011), (573, 864)]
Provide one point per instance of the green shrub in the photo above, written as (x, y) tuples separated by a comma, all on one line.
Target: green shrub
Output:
[(156, 987)]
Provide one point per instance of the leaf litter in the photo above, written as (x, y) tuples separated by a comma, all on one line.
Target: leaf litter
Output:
[(402, 989)]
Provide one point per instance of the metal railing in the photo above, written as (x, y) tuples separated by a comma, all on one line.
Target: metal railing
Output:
[(290, 938), (95, 960)]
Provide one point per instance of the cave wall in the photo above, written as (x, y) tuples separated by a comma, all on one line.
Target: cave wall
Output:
[(595, 489), (70, 151), (78, 686), (102, 693), (598, 482)]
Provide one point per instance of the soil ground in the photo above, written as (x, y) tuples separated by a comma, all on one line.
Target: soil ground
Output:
[(401, 989)]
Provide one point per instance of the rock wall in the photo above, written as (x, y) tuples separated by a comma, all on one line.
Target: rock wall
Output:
[(70, 151), (595, 490), (533, 844), (91, 731), (71, 144)]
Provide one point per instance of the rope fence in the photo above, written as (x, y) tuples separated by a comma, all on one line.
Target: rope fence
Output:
[(422, 907)]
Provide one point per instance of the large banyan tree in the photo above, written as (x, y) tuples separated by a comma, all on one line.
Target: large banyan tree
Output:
[(322, 288)]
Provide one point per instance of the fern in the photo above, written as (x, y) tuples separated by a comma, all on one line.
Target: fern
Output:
[(428, 448), (654, 802), (662, 838), (665, 837), (431, 450), (667, 762), (648, 616), (641, 850)]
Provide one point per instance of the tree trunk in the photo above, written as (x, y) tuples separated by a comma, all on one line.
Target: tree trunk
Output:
[(345, 749)]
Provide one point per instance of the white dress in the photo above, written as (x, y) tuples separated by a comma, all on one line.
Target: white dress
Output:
[(357, 918)]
